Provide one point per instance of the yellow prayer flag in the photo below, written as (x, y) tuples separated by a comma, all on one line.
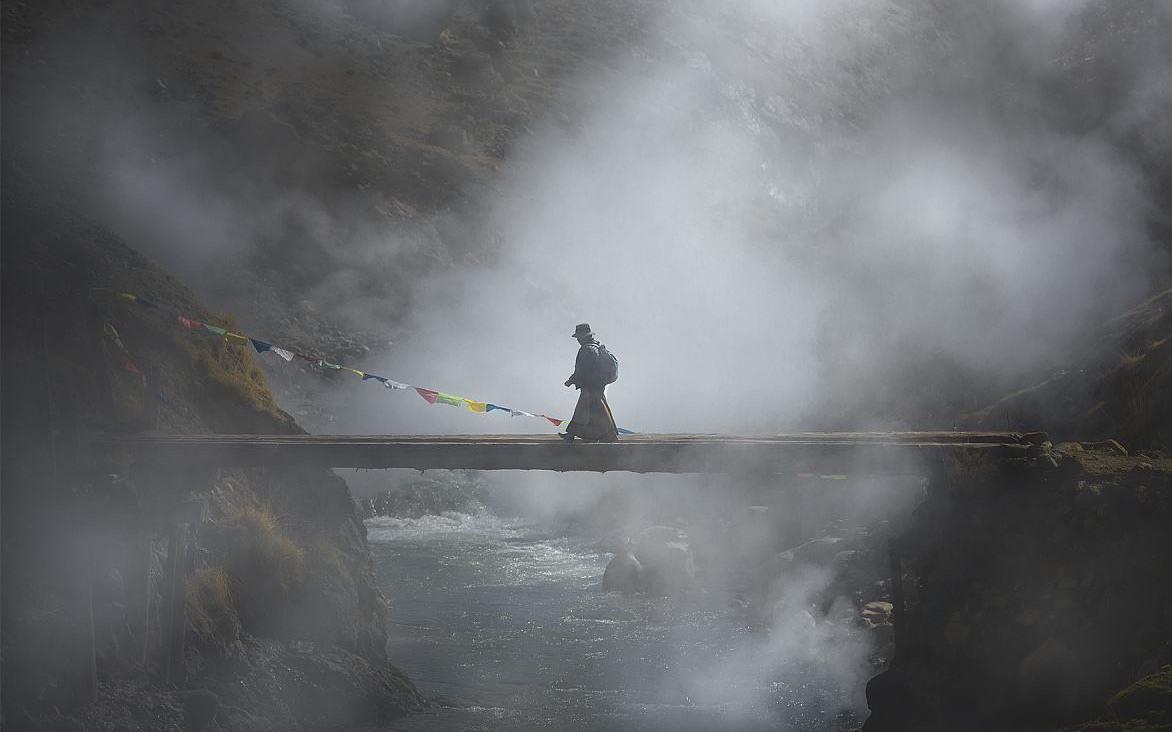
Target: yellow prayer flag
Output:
[(127, 297), (476, 406), (360, 373), (236, 339), (110, 331)]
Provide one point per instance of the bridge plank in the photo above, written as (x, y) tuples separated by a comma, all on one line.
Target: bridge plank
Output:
[(910, 453)]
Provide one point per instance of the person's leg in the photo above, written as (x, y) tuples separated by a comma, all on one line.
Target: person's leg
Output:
[(606, 421), (581, 418), (595, 428)]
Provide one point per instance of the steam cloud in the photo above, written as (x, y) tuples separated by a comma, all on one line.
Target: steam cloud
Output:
[(771, 211), (774, 211), (779, 215)]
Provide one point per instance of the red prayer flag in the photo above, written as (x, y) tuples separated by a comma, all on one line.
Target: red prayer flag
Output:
[(556, 422), (132, 367), (427, 394), (190, 323)]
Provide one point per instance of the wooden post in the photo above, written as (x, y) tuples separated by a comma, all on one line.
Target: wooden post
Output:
[(898, 616), (88, 686), (174, 608), (148, 593)]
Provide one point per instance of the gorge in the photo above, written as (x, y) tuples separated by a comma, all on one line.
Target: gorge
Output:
[(847, 218)]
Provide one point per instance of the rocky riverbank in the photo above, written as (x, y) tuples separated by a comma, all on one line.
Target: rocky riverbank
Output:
[(152, 600), (1033, 596)]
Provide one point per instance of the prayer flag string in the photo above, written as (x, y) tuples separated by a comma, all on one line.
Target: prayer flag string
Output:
[(431, 396), (128, 362)]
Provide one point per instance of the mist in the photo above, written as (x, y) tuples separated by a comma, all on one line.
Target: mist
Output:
[(854, 214), (773, 213), (779, 216)]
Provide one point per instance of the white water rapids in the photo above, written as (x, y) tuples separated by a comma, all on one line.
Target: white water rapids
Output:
[(505, 624)]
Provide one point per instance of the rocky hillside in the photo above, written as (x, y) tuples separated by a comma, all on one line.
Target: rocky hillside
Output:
[(312, 145), (162, 597), (1119, 387), (304, 164)]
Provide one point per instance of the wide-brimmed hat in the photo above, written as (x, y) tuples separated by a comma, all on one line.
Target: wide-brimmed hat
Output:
[(582, 331)]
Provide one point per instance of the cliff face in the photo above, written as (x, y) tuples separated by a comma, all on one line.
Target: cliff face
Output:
[(1119, 386), (250, 589), (1032, 596)]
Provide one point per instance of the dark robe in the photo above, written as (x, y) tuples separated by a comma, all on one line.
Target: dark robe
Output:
[(592, 418)]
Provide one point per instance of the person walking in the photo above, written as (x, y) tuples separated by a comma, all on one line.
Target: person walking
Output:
[(594, 368)]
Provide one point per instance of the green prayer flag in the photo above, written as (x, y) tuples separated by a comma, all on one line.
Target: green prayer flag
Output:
[(443, 398)]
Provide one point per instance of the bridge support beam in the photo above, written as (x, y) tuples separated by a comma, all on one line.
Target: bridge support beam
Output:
[(817, 453)]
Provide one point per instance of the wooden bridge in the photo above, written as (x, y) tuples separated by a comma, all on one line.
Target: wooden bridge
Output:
[(887, 453)]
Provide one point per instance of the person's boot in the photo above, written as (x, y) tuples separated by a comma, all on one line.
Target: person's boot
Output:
[(566, 436)]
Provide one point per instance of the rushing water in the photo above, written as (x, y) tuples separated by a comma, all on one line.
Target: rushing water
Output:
[(505, 624)]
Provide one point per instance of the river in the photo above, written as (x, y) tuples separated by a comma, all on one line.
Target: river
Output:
[(503, 621)]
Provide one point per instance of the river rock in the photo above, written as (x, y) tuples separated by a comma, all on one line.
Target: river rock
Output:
[(666, 556), (660, 562), (877, 613), (624, 573), (818, 552)]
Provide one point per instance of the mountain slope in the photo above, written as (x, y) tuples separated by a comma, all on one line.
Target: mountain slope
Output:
[(281, 606)]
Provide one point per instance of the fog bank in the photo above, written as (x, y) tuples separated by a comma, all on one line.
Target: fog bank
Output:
[(780, 215)]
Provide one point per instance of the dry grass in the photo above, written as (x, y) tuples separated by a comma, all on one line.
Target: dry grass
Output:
[(1138, 395), (268, 546), (234, 370), (211, 612), (1145, 706), (1142, 386), (264, 566), (1128, 360)]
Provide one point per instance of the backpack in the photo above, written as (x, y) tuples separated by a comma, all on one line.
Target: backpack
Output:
[(608, 366)]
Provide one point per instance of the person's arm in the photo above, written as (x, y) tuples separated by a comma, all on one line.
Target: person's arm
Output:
[(583, 366)]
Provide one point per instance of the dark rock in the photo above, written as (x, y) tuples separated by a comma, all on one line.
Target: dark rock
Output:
[(877, 613), (666, 556), (624, 573), (659, 562), (1030, 597), (1048, 681), (200, 708)]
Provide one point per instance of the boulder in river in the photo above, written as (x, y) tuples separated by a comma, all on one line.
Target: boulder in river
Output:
[(624, 573), (666, 555), (659, 562)]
